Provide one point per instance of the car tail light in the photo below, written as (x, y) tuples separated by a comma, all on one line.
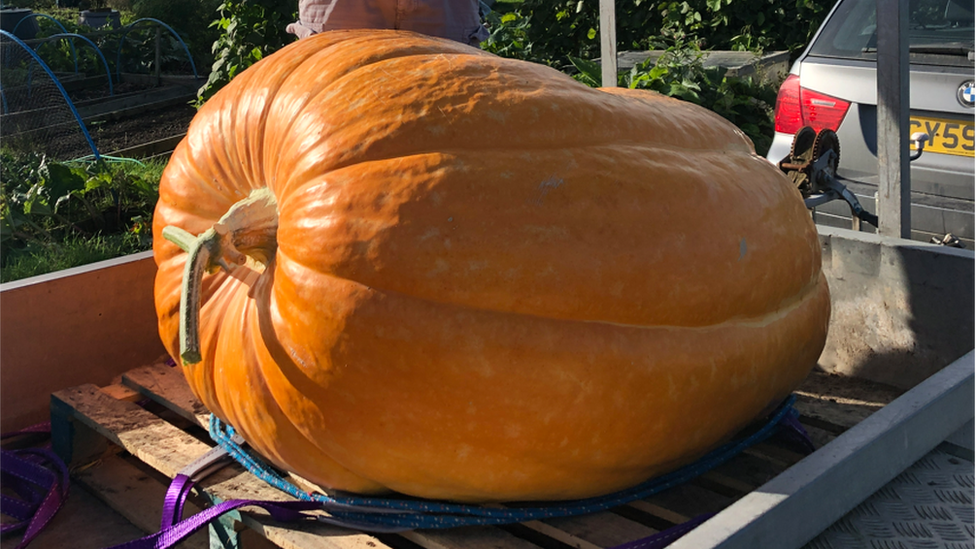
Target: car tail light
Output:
[(789, 116), (797, 107)]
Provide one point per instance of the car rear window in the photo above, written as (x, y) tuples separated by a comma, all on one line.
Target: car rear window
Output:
[(940, 32)]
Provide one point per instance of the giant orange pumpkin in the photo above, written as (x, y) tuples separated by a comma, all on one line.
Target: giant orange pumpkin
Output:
[(431, 270)]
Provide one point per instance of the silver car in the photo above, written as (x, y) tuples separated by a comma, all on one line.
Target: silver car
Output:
[(834, 85)]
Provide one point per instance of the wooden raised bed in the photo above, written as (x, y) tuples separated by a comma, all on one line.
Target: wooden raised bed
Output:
[(126, 453)]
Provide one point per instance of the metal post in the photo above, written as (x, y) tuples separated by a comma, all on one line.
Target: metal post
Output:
[(159, 55), (608, 43), (894, 184)]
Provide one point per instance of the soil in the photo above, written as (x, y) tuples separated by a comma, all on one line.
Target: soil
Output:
[(101, 92), (114, 135)]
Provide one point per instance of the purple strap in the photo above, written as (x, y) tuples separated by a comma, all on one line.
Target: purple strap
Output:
[(175, 498), (166, 538), (666, 537), (28, 473), (173, 530), (43, 427), (793, 430)]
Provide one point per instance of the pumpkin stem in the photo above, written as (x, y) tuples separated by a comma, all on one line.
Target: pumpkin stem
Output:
[(247, 230)]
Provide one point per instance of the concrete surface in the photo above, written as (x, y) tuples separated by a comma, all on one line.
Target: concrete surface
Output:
[(771, 67), (901, 310), (82, 325)]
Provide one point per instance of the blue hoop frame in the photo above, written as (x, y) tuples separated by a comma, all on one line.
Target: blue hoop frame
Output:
[(108, 71), (129, 27), (57, 83), (74, 56)]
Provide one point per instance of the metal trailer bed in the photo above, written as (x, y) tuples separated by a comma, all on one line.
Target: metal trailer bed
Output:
[(810, 496), (866, 433)]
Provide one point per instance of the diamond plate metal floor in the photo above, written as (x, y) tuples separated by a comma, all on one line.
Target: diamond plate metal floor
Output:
[(928, 506)]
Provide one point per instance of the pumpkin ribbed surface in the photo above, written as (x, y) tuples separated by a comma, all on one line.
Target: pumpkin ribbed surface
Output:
[(488, 282)]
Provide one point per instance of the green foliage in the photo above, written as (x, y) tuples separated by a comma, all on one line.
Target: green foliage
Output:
[(186, 17), (47, 206), (57, 53), (73, 252), (553, 31), (680, 72), (189, 18), (249, 30), (509, 35)]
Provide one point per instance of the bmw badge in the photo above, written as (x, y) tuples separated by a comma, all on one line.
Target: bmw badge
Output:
[(966, 94)]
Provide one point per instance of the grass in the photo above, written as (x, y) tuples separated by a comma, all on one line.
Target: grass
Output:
[(56, 216), (76, 251)]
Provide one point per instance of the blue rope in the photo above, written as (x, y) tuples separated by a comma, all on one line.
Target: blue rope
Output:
[(384, 513)]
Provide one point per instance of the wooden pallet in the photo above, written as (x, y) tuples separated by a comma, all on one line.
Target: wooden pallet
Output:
[(125, 453)]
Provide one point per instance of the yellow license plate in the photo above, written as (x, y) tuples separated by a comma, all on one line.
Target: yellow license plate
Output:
[(945, 136)]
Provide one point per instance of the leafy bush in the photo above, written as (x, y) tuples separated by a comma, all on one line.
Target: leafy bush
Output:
[(248, 31), (553, 31), (49, 207), (509, 35), (680, 72), (57, 53), (189, 18)]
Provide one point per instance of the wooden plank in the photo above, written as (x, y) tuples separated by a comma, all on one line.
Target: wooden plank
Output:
[(656, 510), (841, 400), (729, 484), (810, 422), (839, 476), (848, 389), (608, 44), (603, 529), (819, 431), (168, 450), (835, 410), (73, 441), (560, 535), (134, 495), (309, 535), (120, 392), (690, 500), (129, 106), (115, 108), (774, 453), (467, 537), (167, 386), (146, 436), (749, 470), (165, 145)]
